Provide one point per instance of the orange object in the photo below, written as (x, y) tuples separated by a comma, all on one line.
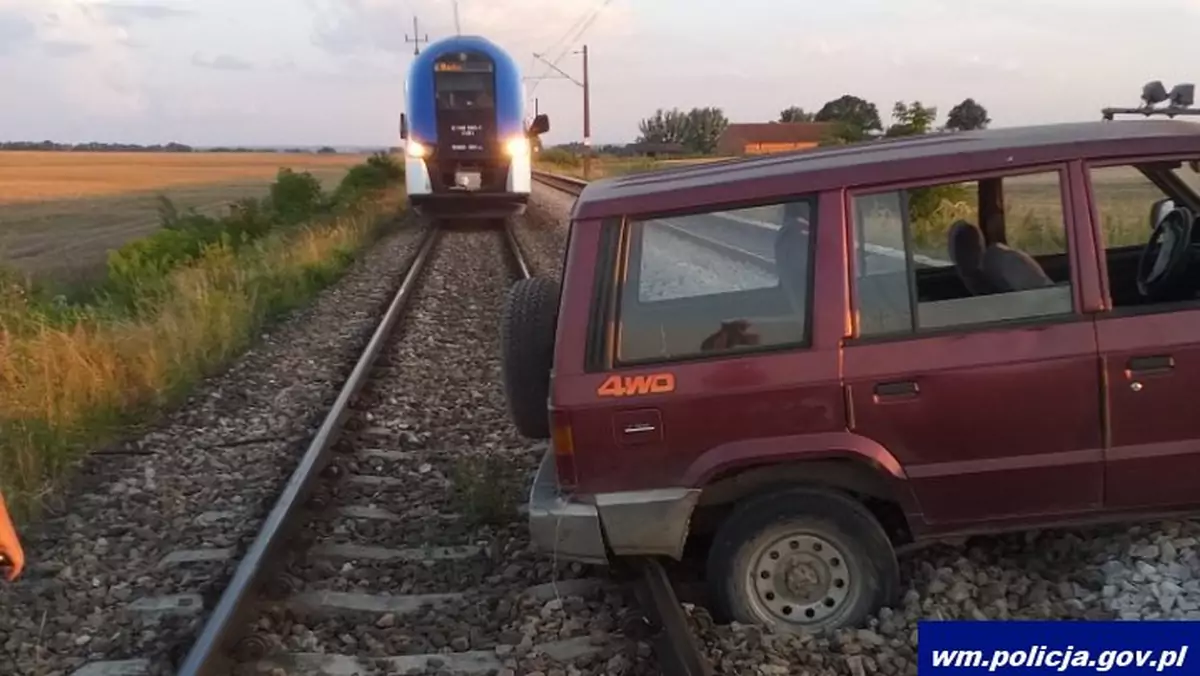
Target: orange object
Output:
[(12, 558)]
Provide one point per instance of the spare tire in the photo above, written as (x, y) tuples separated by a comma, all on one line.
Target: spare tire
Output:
[(527, 339)]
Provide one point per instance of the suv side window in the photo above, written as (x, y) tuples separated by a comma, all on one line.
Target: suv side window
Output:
[(923, 262), (712, 283)]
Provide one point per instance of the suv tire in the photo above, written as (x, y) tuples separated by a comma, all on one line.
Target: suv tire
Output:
[(801, 559), (527, 338)]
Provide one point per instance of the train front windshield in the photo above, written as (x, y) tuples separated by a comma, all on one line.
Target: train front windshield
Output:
[(465, 91)]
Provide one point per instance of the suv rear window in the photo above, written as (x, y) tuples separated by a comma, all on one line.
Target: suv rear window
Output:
[(715, 282)]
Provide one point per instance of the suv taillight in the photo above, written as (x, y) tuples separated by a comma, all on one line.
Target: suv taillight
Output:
[(564, 448)]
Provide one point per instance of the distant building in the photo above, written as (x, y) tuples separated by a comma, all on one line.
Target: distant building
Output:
[(758, 138)]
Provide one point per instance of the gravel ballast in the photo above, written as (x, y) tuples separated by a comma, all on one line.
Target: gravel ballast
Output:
[(149, 536), (542, 233), (421, 558)]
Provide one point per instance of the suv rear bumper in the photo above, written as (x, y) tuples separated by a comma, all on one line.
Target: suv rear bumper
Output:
[(627, 523)]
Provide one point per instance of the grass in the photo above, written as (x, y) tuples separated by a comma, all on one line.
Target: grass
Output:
[(486, 489), (171, 308), (60, 212)]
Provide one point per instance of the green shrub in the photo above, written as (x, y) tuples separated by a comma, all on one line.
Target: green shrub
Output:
[(295, 196), (379, 171), (138, 270)]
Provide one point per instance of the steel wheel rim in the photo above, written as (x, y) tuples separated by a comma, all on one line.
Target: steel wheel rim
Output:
[(799, 580)]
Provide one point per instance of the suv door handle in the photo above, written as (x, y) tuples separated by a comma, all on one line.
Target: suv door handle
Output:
[(898, 388), (639, 429), (1154, 364)]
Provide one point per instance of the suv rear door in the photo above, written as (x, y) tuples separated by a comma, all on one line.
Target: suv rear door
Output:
[(988, 397), (711, 343)]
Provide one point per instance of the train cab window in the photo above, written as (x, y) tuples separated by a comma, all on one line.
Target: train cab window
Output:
[(464, 91)]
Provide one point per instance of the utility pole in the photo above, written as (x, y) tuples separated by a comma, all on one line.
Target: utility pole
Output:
[(416, 39), (587, 120), (587, 106)]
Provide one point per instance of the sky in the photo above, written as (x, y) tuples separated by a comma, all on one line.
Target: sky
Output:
[(307, 72)]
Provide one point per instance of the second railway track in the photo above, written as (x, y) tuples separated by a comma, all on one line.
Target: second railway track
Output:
[(398, 544)]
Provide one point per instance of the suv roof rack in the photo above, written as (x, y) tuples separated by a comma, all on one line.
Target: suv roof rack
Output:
[(1179, 102)]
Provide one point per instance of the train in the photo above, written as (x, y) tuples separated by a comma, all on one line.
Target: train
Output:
[(468, 152)]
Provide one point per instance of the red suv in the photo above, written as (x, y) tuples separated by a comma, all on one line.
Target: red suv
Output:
[(801, 362)]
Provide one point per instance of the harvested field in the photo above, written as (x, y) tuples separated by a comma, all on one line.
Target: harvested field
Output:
[(61, 212)]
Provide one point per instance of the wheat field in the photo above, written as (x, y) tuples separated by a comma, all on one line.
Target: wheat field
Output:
[(61, 212)]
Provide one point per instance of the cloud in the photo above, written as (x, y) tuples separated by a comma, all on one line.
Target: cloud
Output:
[(107, 82), (15, 30), (64, 49), (124, 13), (222, 62), (343, 27)]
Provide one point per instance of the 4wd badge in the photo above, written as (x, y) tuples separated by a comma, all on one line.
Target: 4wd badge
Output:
[(631, 386)]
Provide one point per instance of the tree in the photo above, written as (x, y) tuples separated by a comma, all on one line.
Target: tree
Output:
[(697, 130), (853, 118), (911, 119), (967, 115), (704, 128), (914, 119), (664, 126), (796, 114)]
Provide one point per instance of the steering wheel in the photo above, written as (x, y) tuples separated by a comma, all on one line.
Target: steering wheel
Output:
[(1165, 257)]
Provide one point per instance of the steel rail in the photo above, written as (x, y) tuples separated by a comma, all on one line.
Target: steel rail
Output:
[(679, 653), (567, 184), (209, 652), (517, 253)]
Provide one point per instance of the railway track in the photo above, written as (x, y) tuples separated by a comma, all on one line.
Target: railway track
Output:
[(397, 546)]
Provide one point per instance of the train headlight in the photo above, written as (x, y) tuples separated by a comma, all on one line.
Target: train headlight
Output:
[(415, 149), (516, 147)]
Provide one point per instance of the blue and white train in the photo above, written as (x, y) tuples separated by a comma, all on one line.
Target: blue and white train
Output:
[(467, 148)]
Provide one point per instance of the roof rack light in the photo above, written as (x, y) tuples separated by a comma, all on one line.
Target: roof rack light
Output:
[(1179, 101)]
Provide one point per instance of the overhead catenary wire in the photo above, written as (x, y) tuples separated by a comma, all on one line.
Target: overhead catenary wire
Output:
[(567, 34), (570, 37)]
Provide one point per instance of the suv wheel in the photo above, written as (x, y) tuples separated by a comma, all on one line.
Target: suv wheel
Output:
[(801, 560), (527, 337)]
